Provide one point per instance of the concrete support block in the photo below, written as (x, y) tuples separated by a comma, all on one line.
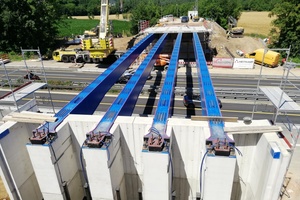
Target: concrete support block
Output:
[(218, 175), (156, 176), (273, 170), (104, 169), (45, 170), (98, 173), (16, 169), (63, 166)]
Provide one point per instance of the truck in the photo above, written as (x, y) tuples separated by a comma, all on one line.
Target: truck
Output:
[(91, 50), (271, 58)]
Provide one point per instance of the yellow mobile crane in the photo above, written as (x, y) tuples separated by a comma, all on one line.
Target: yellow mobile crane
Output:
[(91, 51)]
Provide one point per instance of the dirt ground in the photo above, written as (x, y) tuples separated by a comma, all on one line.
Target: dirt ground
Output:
[(220, 42), (124, 43)]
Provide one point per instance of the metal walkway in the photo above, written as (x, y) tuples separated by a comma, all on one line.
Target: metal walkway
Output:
[(21, 92), (87, 101), (126, 100)]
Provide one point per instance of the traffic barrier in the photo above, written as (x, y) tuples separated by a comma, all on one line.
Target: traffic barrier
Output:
[(222, 62), (111, 42)]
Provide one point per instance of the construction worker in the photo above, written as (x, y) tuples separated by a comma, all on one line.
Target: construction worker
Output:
[(228, 35)]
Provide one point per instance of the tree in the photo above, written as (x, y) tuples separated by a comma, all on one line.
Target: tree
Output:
[(27, 24), (287, 25), (220, 10), (144, 10), (258, 5)]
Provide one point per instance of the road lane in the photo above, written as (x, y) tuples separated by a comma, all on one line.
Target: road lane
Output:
[(182, 80), (146, 106)]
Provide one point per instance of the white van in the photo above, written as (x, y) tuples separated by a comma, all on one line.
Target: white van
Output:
[(167, 18)]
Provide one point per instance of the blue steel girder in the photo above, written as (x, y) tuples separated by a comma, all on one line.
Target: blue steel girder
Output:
[(209, 102), (157, 138), (125, 102), (87, 101)]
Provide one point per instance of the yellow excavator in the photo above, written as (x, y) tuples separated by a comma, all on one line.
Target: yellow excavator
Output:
[(91, 50), (233, 30)]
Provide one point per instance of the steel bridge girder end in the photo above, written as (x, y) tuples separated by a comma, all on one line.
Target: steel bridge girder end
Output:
[(219, 147), (99, 140), (42, 137), (156, 144)]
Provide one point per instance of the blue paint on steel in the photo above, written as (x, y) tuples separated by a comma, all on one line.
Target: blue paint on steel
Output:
[(166, 98), (4, 133), (125, 102), (87, 101), (209, 102)]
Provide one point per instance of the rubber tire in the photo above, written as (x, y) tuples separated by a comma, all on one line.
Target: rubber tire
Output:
[(72, 59), (79, 60), (95, 60), (65, 59)]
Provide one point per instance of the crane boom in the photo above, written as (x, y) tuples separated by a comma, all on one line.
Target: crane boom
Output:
[(104, 19)]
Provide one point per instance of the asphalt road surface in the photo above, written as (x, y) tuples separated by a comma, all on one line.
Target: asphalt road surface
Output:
[(146, 105)]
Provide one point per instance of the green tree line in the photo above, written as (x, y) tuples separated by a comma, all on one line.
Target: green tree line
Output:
[(34, 23), (92, 7)]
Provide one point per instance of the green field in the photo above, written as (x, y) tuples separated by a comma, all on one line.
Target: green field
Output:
[(72, 27), (256, 23)]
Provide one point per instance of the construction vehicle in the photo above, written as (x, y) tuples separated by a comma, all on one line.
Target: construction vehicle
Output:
[(162, 62), (195, 18), (270, 59), (94, 32), (91, 50), (233, 30)]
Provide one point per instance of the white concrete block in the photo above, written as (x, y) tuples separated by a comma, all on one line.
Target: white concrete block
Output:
[(274, 150), (218, 177), (13, 139), (98, 173), (40, 156), (268, 168), (156, 176)]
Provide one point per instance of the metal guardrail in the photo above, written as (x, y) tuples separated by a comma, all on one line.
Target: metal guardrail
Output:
[(225, 93)]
